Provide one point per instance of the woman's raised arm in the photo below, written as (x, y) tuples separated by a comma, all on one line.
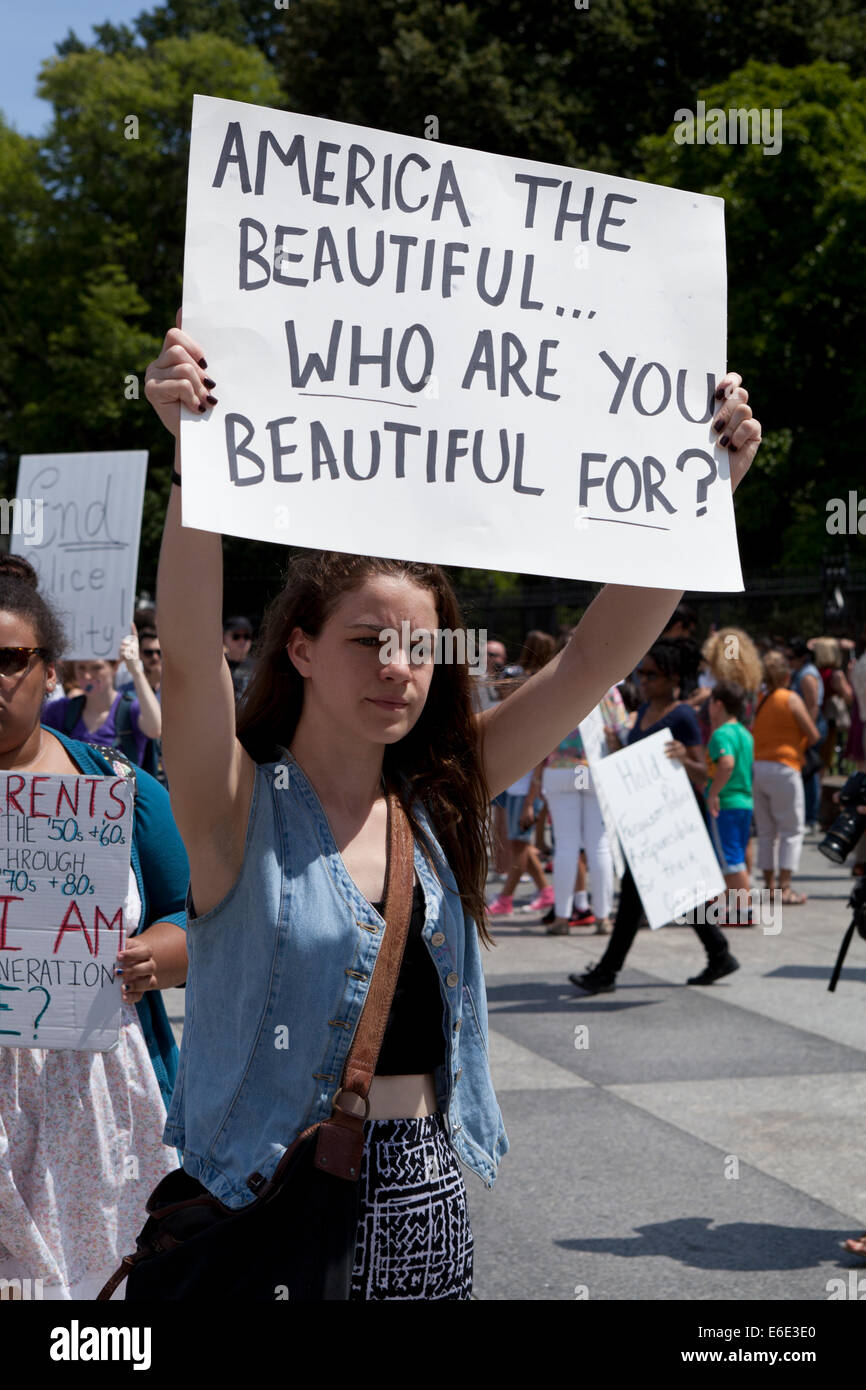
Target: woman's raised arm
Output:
[(619, 626), (209, 773)]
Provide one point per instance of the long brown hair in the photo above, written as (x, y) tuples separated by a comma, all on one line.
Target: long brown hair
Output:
[(439, 756)]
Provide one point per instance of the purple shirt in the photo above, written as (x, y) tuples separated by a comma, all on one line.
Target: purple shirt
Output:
[(54, 713)]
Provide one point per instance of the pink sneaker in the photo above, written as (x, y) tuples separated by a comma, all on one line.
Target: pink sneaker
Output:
[(500, 906), (545, 899)]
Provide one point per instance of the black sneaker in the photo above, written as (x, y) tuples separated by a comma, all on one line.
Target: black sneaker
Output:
[(549, 916), (715, 971), (595, 981)]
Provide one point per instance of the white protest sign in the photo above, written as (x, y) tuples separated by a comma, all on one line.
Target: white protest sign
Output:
[(83, 543), (430, 352), (65, 844), (663, 835), (595, 747)]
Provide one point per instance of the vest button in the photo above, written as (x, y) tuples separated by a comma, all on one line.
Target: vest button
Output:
[(458, 1025), (451, 980), (437, 938), (458, 1074)]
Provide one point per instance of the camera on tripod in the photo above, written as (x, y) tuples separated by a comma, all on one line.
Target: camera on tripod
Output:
[(836, 845), (849, 825)]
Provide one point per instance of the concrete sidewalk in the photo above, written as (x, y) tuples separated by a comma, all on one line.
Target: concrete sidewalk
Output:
[(672, 1141)]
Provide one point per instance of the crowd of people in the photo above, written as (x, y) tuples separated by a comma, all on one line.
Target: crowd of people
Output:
[(757, 723)]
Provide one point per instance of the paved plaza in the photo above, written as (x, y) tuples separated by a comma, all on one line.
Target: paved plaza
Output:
[(673, 1142)]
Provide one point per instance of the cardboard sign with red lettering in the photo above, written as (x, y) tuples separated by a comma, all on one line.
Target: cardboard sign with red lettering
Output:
[(67, 902)]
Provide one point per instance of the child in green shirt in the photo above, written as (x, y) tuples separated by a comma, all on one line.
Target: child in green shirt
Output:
[(729, 791)]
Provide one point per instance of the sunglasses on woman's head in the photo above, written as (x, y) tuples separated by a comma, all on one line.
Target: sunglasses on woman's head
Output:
[(14, 660), (241, 636)]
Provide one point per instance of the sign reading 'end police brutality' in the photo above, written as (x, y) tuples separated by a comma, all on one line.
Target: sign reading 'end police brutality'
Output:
[(86, 550), (65, 887), (430, 352)]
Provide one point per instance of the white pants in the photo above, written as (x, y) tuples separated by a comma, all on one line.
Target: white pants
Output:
[(577, 825), (779, 815)]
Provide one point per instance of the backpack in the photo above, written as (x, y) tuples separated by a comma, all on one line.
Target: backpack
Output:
[(123, 731)]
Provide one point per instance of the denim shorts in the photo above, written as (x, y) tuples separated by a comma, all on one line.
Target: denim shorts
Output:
[(513, 811), (729, 832)]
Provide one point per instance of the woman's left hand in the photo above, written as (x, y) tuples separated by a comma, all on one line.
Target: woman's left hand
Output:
[(738, 430), (677, 750), (139, 970)]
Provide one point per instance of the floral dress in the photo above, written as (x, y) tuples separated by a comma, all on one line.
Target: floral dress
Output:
[(80, 1151)]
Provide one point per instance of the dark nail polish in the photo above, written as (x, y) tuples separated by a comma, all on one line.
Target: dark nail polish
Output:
[(202, 408), (733, 449), (209, 383), (720, 391), (725, 440), (718, 424), (211, 400), (202, 363)]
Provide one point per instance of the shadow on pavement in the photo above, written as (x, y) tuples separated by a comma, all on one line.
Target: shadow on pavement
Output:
[(539, 998), (744, 1245), (815, 972)]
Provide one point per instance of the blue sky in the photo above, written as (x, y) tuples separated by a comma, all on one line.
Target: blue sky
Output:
[(28, 33)]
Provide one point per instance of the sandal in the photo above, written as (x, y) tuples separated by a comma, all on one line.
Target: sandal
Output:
[(558, 929), (792, 899), (852, 1246)]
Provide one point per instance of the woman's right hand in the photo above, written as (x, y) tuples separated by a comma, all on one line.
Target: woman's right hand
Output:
[(177, 378)]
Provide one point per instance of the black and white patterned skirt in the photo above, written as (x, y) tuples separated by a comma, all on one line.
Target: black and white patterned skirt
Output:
[(414, 1238)]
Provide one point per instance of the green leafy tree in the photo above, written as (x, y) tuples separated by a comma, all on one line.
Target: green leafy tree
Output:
[(796, 233), (96, 226)]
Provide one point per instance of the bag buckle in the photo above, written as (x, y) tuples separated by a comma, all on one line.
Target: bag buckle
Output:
[(341, 1091)]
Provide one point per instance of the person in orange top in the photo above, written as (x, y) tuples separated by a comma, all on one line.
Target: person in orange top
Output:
[(782, 729)]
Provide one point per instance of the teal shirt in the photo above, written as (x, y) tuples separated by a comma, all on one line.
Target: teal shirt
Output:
[(735, 740)]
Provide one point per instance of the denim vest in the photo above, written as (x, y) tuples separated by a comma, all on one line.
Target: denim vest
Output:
[(278, 975)]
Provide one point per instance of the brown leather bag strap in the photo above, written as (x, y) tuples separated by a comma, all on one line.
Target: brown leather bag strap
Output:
[(341, 1138), (364, 1052)]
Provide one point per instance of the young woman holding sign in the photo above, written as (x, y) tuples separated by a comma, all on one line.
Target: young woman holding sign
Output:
[(284, 821), (80, 1132)]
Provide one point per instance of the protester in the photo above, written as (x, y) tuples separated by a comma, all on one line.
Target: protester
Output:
[(837, 697), (294, 869), (782, 731), (522, 807), (806, 682), (538, 649), (578, 824), (72, 1122), (150, 653), (732, 658), (682, 623), (237, 643), (729, 794), (484, 692), (662, 708), (104, 715)]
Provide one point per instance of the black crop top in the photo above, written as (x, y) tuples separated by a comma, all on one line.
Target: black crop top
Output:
[(414, 1043)]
